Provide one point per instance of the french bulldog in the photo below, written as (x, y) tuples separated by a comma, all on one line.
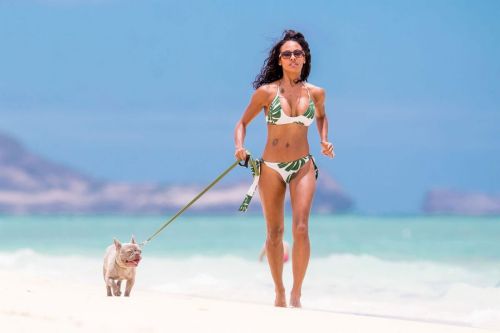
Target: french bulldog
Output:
[(120, 262)]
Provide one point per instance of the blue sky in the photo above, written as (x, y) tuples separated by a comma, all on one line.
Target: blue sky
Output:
[(151, 90)]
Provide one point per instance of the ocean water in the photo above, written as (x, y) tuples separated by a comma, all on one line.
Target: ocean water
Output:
[(444, 269)]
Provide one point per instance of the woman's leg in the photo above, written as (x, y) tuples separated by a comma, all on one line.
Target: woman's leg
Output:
[(272, 195), (302, 189)]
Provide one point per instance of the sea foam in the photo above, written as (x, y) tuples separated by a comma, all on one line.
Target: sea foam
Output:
[(419, 290)]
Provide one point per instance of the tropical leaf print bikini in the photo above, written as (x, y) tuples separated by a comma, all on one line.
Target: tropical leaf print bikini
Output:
[(287, 170), (276, 116)]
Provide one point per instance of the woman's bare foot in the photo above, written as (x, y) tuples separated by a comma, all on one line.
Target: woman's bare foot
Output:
[(295, 300), (280, 299)]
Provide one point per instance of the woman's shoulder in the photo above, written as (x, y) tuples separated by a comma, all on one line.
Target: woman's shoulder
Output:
[(317, 92), (315, 88), (267, 90), (269, 87)]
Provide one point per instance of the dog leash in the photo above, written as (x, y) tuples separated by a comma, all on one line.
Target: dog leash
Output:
[(249, 159)]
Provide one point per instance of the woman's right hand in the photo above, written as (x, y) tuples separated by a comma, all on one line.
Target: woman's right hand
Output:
[(240, 153)]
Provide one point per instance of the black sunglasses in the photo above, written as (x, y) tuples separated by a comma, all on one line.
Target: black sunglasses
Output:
[(288, 54)]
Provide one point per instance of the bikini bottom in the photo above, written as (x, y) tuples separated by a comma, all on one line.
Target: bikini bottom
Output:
[(287, 171)]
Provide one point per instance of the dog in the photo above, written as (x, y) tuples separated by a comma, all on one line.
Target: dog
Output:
[(120, 262)]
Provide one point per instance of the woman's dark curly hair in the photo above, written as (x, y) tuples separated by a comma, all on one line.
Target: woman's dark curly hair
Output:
[(272, 71)]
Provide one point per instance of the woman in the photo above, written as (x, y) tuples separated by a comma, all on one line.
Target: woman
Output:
[(290, 106)]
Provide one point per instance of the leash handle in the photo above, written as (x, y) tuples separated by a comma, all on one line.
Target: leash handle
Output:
[(246, 161)]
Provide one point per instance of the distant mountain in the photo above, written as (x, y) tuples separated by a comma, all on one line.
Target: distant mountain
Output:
[(444, 201), (29, 184), (21, 170)]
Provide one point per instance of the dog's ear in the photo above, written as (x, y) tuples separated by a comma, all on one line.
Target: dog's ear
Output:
[(118, 245), (132, 240)]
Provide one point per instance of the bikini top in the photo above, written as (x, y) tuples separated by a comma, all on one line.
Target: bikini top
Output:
[(276, 116)]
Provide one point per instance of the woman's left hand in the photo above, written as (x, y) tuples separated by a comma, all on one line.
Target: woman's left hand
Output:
[(327, 149)]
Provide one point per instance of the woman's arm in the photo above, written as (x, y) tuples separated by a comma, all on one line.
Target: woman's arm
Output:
[(257, 102), (322, 122)]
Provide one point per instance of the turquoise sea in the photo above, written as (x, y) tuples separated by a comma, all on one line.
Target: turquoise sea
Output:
[(409, 238), (437, 268)]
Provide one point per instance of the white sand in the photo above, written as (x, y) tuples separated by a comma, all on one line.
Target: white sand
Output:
[(29, 304)]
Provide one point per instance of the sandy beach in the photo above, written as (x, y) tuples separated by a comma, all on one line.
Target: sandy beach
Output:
[(45, 304)]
